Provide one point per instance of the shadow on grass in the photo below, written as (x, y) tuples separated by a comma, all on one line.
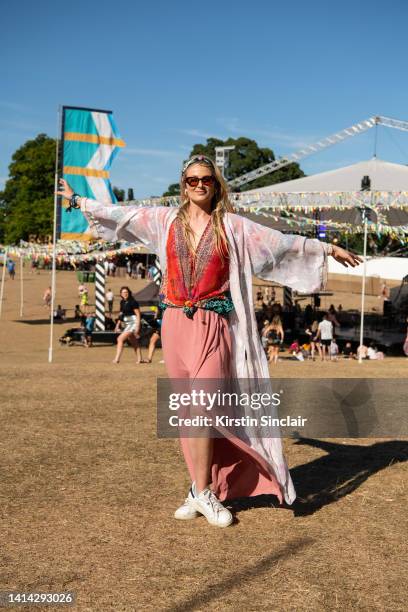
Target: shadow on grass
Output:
[(329, 478), (46, 321), (217, 590)]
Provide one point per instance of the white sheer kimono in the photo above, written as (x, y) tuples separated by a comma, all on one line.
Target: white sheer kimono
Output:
[(291, 260)]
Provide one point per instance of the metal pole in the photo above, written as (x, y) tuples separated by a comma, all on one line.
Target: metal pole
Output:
[(100, 296), (3, 278), (21, 285), (360, 359), (375, 139), (54, 242)]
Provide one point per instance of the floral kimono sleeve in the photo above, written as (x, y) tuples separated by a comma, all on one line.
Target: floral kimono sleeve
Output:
[(140, 225), (288, 259)]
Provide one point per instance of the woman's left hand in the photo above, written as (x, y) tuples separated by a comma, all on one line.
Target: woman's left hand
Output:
[(345, 257)]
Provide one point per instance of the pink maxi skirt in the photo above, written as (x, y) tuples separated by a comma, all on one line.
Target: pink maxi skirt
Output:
[(201, 348)]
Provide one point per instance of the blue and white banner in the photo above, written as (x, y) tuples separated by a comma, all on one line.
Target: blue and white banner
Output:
[(91, 141)]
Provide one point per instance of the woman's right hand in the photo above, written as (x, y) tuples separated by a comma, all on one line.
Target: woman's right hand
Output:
[(65, 190)]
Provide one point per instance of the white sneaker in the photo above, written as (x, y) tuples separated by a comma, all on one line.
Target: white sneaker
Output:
[(186, 511), (208, 504)]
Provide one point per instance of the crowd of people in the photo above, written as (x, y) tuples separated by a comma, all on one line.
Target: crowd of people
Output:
[(312, 334), (305, 334)]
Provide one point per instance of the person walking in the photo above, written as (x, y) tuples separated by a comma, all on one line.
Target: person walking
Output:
[(325, 335), (275, 335), (11, 268), (131, 319), (84, 299), (112, 268), (208, 255), (110, 298), (311, 331), (128, 267), (47, 298)]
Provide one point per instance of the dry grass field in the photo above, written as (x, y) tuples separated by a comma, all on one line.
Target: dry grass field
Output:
[(88, 492)]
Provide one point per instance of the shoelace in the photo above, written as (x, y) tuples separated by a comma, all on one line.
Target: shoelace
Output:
[(211, 500)]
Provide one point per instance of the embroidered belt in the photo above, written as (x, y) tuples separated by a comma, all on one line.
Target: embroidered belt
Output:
[(222, 305)]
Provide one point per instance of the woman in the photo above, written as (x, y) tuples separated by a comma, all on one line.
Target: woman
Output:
[(208, 256), (130, 317), (275, 335), (312, 331), (47, 297), (83, 298)]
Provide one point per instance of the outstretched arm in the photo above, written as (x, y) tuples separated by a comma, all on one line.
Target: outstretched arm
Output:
[(295, 261), (112, 222)]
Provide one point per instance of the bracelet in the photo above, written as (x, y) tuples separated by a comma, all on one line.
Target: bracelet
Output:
[(330, 249), (73, 203)]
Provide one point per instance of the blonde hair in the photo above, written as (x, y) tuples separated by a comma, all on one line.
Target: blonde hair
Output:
[(219, 206)]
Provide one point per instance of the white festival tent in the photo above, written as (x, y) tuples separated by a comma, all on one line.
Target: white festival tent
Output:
[(385, 176), (337, 193), (336, 196)]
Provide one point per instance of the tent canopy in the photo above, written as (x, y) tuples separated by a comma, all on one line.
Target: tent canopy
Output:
[(384, 176), (337, 194)]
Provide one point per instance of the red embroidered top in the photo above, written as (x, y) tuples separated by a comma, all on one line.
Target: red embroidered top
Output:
[(190, 280)]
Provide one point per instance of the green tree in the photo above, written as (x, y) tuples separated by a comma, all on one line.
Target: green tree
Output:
[(27, 200), (247, 156), (119, 193), (173, 190)]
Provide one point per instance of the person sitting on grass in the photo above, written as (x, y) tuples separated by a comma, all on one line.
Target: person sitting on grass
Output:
[(306, 350), (59, 313), (373, 352), (110, 324), (334, 350), (77, 312), (348, 351), (362, 352), (296, 350)]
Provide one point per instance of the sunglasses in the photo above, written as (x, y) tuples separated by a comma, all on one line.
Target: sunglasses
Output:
[(193, 181)]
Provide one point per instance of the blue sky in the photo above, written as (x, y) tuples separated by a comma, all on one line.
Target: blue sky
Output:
[(285, 74)]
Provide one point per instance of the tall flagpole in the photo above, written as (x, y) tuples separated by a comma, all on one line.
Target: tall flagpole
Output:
[(54, 241), (360, 358), (3, 278), (21, 285)]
